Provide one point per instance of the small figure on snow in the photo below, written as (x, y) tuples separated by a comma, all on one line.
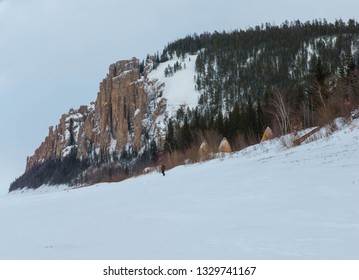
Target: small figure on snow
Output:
[(163, 169)]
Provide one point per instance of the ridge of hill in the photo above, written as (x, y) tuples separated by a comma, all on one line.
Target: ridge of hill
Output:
[(205, 87)]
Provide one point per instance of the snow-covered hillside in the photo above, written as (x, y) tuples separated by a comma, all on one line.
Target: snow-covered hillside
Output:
[(179, 89), (265, 202)]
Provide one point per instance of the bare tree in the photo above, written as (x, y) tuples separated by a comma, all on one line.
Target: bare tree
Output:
[(280, 110)]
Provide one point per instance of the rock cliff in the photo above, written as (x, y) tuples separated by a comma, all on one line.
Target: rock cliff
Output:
[(117, 127)]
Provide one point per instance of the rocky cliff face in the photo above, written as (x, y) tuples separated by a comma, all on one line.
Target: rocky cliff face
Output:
[(119, 125)]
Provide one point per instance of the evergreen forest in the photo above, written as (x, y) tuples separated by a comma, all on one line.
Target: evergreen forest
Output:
[(288, 77)]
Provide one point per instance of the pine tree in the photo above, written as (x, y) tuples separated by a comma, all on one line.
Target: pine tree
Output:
[(341, 71), (319, 73), (349, 63), (219, 123), (235, 119), (170, 142), (153, 151), (250, 119), (260, 119), (186, 138)]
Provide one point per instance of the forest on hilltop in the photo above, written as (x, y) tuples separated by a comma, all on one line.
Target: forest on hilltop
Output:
[(288, 77)]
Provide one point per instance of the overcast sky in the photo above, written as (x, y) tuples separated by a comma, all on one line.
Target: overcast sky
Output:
[(54, 53)]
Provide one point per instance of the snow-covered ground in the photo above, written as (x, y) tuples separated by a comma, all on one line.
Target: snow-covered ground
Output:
[(265, 202), (179, 88)]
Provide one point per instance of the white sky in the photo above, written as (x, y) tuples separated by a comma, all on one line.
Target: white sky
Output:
[(54, 53)]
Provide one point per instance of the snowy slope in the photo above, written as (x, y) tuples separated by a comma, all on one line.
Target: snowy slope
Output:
[(265, 202), (179, 89)]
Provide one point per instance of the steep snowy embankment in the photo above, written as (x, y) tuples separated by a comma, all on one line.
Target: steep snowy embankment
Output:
[(265, 202)]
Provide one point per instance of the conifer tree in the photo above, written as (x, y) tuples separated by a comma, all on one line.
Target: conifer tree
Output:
[(350, 66), (260, 119), (170, 142), (153, 151), (186, 138), (250, 118), (219, 123)]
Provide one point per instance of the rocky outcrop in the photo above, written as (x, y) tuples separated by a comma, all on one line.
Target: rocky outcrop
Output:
[(70, 132), (121, 120)]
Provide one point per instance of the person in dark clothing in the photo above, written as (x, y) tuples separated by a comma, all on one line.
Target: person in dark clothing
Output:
[(163, 169)]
